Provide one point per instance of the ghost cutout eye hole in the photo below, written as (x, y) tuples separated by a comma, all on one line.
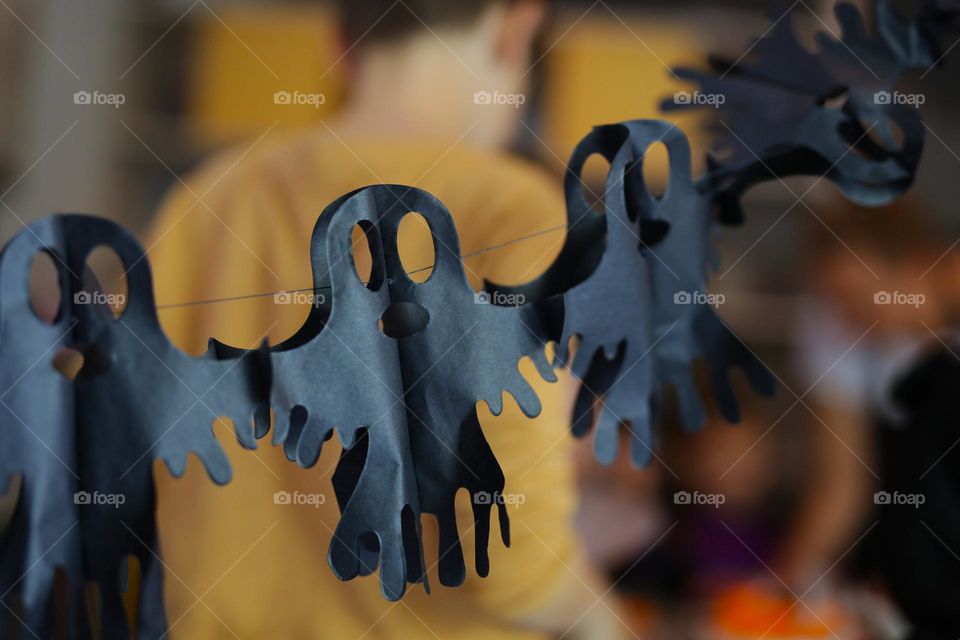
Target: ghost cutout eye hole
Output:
[(656, 170), (104, 282), (367, 250), (44, 289), (416, 247), (593, 178)]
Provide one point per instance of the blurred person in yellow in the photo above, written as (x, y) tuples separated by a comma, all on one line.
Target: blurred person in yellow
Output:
[(433, 104)]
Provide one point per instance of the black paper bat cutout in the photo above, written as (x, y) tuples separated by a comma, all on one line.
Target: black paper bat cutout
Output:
[(85, 450), (633, 287), (396, 368), (784, 110)]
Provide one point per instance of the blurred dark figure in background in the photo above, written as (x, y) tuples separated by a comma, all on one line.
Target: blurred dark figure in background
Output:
[(915, 546), (436, 87)]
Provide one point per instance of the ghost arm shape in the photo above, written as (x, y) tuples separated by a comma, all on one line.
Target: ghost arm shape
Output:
[(686, 323), (38, 444), (396, 369), (619, 282), (788, 111), (136, 399)]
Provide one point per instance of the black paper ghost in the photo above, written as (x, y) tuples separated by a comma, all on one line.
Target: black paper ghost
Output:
[(633, 286), (396, 368), (85, 450), (783, 110)]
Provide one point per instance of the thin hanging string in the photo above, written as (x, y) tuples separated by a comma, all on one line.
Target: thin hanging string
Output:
[(267, 294)]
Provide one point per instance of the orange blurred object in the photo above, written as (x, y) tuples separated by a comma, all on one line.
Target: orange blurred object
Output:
[(747, 611)]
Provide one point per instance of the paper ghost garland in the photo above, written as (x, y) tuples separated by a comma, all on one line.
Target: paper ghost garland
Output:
[(85, 450), (832, 112), (396, 368), (415, 439), (649, 280)]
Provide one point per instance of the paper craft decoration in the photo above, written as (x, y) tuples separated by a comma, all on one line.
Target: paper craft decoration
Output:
[(423, 356), (644, 263), (784, 110), (395, 368), (85, 451)]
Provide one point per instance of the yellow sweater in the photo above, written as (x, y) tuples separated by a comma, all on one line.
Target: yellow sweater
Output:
[(237, 564)]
